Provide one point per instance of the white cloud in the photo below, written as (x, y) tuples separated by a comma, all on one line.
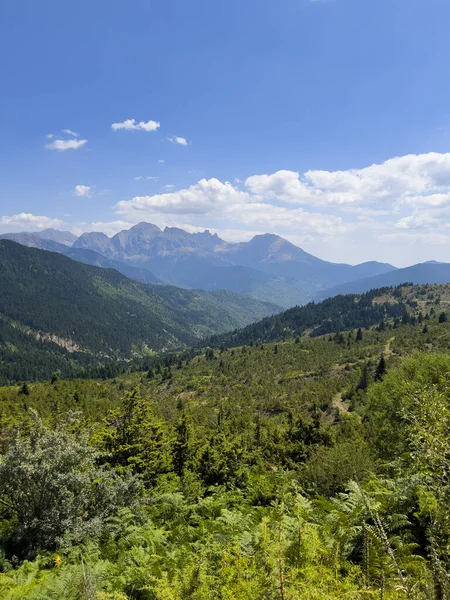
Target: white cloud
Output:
[(169, 186), (161, 160), (179, 140), (414, 238), (49, 136), (83, 190), (217, 200), (70, 132), (412, 179), (131, 124), (29, 221), (201, 198), (282, 185), (62, 145), (418, 220), (147, 178)]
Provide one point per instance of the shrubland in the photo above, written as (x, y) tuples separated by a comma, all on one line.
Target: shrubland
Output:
[(304, 467)]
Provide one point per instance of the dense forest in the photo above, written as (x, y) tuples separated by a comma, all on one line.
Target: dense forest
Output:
[(307, 466), (60, 315), (331, 315)]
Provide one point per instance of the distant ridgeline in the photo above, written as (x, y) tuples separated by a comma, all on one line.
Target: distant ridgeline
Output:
[(334, 314), (62, 318)]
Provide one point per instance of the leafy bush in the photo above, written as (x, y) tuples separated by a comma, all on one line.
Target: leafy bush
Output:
[(53, 493)]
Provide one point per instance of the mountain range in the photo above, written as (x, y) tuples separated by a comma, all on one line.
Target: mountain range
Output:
[(56, 313), (267, 268), (430, 272)]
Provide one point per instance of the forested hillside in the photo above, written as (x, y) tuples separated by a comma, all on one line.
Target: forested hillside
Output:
[(307, 468), (333, 314), (56, 310)]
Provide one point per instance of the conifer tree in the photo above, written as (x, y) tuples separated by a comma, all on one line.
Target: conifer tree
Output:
[(381, 369)]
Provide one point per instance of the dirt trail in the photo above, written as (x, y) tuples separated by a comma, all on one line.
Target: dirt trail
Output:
[(387, 349), (339, 403)]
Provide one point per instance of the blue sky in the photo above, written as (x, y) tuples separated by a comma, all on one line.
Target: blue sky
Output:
[(327, 122)]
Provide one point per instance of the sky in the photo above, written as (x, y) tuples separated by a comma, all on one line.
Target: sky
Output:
[(326, 122)]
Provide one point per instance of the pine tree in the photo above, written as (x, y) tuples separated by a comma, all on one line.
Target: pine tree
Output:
[(181, 445), (364, 381), (442, 317), (25, 390), (359, 335), (380, 371)]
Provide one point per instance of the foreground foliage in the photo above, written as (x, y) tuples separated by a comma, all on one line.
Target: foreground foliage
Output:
[(310, 468)]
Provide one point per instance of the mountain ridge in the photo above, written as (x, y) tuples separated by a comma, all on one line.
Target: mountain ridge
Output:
[(191, 260), (430, 272)]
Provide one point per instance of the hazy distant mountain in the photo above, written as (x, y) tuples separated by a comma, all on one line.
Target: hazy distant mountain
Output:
[(203, 260), (429, 272), (61, 237), (99, 242), (267, 267), (273, 254)]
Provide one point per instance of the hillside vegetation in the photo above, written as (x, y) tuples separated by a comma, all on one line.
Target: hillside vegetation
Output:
[(308, 467), (55, 311)]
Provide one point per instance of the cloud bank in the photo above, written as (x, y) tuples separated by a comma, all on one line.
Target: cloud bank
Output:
[(400, 199)]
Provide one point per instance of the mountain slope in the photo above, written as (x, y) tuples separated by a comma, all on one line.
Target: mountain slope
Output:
[(430, 272), (334, 314), (83, 255), (61, 237), (100, 312)]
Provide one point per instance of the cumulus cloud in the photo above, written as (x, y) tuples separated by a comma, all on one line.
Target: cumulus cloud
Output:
[(83, 190), (409, 194), (282, 185), (202, 198), (131, 124), (179, 140), (63, 145), (29, 221), (215, 199), (412, 179), (418, 220)]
